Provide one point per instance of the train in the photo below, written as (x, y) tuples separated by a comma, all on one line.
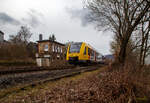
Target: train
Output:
[(81, 52)]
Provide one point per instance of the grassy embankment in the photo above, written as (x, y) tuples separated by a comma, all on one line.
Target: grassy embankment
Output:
[(30, 94), (113, 84)]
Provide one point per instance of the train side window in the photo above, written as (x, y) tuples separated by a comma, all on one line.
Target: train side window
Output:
[(88, 51), (92, 53), (85, 51)]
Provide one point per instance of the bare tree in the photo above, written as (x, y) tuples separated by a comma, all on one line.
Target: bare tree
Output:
[(23, 36), (131, 51), (146, 45), (15, 39), (142, 42), (120, 16), (19, 45)]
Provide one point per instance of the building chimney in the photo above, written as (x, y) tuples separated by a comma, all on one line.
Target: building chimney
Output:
[(40, 37)]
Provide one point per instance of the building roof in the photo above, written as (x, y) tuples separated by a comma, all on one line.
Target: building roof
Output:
[(51, 41), (1, 32)]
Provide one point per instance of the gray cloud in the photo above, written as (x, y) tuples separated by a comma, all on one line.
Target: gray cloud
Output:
[(34, 18), (6, 19), (82, 14)]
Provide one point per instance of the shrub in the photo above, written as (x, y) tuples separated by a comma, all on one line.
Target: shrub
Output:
[(126, 84), (17, 63)]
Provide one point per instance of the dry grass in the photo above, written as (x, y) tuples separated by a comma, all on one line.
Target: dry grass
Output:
[(123, 85), (39, 93), (126, 84)]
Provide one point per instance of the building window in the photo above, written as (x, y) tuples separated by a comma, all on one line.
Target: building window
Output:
[(56, 49), (61, 49), (46, 47), (53, 48)]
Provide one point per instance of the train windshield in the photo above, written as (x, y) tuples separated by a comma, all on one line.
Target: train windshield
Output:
[(75, 48)]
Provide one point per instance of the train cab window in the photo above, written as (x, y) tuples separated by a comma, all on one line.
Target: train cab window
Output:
[(75, 47), (85, 50)]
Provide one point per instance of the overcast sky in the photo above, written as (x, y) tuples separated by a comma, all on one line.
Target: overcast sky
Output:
[(65, 18)]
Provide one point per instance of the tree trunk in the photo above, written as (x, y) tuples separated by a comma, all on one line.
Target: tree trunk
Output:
[(122, 53), (142, 49)]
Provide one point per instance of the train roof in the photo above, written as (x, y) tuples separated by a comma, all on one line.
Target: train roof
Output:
[(88, 46), (92, 48)]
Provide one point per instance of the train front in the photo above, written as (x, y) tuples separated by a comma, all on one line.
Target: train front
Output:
[(73, 52)]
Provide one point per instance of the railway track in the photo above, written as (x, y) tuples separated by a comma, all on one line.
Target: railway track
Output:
[(14, 70), (31, 79)]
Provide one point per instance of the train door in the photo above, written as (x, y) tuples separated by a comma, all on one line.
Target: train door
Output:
[(95, 55), (91, 54), (85, 53)]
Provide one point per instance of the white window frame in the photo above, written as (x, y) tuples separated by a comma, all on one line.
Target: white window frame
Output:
[(46, 47)]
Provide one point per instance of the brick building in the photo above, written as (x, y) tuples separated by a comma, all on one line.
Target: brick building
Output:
[(1, 36), (49, 51)]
